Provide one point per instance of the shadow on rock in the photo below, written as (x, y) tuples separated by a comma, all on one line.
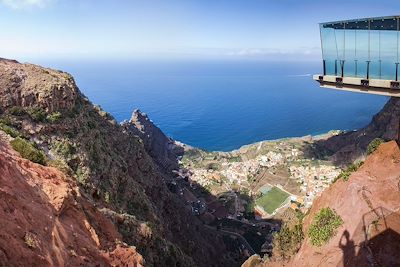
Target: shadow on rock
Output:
[(345, 148), (381, 230)]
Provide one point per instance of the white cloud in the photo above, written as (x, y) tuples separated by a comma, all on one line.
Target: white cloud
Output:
[(251, 52), (21, 4), (268, 52)]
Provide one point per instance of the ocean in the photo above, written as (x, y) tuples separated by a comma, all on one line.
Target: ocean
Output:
[(222, 104)]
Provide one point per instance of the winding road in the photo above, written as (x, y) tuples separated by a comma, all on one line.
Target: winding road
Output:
[(241, 238)]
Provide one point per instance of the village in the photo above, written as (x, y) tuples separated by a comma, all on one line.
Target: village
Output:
[(243, 191), (285, 167)]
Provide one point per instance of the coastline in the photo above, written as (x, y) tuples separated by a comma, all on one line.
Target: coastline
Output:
[(309, 137)]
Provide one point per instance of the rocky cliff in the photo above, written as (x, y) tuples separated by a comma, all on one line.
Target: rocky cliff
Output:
[(46, 220), (30, 86), (109, 164), (99, 195), (369, 205), (347, 147), (164, 150), (368, 202)]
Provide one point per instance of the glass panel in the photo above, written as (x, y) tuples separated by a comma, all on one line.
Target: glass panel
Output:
[(389, 54), (375, 70), (362, 55), (329, 52), (398, 49), (361, 45), (340, 44), (383, 46), (350, 53)]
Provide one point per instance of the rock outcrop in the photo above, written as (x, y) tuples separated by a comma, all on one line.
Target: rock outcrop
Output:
[(110, 165), (163, 149), (347, 147), (28, 85)]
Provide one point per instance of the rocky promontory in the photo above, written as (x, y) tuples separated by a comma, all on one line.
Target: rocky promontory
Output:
[(164, 150), (28, 85), (49, 121)]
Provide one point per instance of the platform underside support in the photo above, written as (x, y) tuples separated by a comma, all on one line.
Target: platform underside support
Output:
[(360, 85)]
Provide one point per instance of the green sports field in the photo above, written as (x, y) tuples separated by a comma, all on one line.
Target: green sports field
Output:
[(272, 199)]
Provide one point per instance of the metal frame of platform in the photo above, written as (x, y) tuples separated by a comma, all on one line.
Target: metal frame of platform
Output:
[(363, 39), (361, 55), (360, 85)]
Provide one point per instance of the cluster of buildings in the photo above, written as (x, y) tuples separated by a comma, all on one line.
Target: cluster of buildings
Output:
[(238, 172), (272, 158), (313, 179)]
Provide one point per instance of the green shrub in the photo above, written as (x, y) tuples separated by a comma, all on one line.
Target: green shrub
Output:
[(324, 226), (37, 114), (346, 173), (6, 120), (9, 130), (82, 176), (64, 148), (374, 145), (54, 117), (288, 240), (17, 111), (30, 240), (249, 208), (28, 150)]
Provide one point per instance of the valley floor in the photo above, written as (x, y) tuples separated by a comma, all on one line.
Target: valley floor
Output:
[(251, 191)]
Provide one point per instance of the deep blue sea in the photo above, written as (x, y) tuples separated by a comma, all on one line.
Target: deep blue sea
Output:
[(222, 105)]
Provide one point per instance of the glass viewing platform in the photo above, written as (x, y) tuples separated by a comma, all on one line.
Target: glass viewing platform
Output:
[(361, 55)]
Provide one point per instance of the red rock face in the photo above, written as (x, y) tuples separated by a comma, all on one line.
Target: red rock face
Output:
[(46, 221), (369, 205)]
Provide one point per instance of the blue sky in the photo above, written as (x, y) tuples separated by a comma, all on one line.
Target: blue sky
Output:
[(261, 29)]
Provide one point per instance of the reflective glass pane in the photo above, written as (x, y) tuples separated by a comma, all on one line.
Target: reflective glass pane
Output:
[(389, 51), (361, 47), (340, 44), (375, 71), (362, 55), (350, 53), (329, 52)]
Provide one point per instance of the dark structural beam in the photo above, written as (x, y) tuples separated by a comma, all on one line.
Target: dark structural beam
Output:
[(384, 23)]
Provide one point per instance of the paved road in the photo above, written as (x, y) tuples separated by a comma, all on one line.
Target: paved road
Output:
[(251, 223), (241, 238), (244, 241)]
